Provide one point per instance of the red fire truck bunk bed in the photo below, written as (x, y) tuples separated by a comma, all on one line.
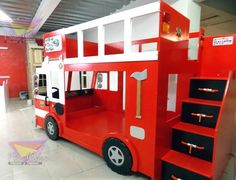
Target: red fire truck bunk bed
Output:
[(119, 109)]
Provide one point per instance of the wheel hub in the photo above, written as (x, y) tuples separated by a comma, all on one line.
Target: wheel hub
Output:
[(50, 128), (116, 156)]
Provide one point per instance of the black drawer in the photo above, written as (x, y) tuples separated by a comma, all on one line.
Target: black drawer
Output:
[(207, 89), (170, 172), (202, 115), (202, 146)]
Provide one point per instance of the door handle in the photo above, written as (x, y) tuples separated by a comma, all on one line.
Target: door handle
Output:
[(191, 146), (46, 101), (209, 90), (200, 116)]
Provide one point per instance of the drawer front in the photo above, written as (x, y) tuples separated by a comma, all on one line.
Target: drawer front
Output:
[(207, 89), (202, 115), (193, 144), (172, 172)]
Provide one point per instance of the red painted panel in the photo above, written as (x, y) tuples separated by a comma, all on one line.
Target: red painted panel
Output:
[(225, 132), (114, 96), (217, 61), (114, 48), (13, 64), (71, 48), (79, 103), (173, 59), (90, 48)]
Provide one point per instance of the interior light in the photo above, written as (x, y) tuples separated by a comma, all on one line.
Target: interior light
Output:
[(4, 17)]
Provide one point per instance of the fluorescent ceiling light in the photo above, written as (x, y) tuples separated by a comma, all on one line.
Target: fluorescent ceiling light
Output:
[(4, 17), (3, 48)]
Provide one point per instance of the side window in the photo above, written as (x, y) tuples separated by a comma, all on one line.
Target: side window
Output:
[(101, 81), (79, 80), (55, 85), (42, 85)]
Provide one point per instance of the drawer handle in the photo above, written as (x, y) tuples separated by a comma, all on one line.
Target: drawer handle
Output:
[(200, 116), (191, 146), (175, 178), (208, 90)]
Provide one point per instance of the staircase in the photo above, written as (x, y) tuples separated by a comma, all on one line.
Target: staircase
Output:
[(194, 138)]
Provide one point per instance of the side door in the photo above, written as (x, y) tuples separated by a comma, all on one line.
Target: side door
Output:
[(41, 93), (49, 95), (56, 92)]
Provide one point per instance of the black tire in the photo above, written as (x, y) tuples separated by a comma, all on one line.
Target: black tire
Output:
[(122, 164), (51, 128)]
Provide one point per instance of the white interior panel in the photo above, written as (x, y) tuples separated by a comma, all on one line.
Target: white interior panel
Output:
[(113, 81), (149, 47), (135, 48), (172, 92), (145, 27), (75, 85), (91, 35), (55, 79), (114, 32), (193, 48)]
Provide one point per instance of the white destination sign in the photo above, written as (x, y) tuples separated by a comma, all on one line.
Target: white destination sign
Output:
[(222, 41)]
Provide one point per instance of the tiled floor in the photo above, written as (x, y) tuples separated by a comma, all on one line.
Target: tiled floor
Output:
[(61, 159)]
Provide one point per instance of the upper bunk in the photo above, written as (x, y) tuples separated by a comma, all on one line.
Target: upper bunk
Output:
[(129, 36)]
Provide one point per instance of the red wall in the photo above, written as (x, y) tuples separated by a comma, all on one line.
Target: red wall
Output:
[(13, 64)]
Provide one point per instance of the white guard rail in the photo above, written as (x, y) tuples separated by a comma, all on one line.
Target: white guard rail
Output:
[(126, 17)]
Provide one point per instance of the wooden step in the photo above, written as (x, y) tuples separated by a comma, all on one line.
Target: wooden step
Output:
[(195, 129), (203, 101), (189, 163)]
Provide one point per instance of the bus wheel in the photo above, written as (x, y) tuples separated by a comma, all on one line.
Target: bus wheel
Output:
[(51, 128), (117, 156)]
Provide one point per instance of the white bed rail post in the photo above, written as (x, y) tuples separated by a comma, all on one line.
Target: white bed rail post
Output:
[(80, 40), (127, 36), (101, 40)]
